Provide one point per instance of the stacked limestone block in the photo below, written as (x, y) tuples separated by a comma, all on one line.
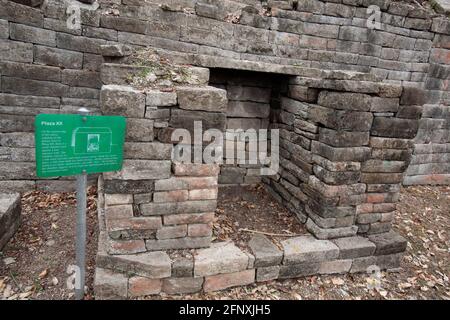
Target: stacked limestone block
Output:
[(224, 265), (10, 210), (157, 203), (346, 141), (430, 162), (250, 99)]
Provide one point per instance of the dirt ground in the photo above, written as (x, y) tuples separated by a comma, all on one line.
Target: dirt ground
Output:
[(242, 211), (33, 265)]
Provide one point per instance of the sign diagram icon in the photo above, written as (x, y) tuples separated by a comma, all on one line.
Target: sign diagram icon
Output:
[(91, 140)]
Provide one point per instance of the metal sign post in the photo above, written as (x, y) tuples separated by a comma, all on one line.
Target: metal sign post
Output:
[(80, 241), (78, 145)]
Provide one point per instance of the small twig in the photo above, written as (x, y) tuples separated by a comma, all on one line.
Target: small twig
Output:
[(418, 4), (15, 281), (270, 234)]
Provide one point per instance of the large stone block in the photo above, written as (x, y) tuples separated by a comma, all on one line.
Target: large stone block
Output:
[(180, 243), (58, 57), (9, 216), (153, 265), (142, 170), (122, 100), (225, 281), (31, 34), (140, 130), (388, 243), (343, 138), (255, 94), (109, 285), (394, 127), (266, 253), (307, 249), (341, 119), (202, 98), (16, 51), (140, 286), (220, 258), (299, 270), (345, 100), (209, 120), (149, 151), (182, 285), (354, 247)]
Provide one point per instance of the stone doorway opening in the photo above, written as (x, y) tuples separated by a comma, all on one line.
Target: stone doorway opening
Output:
[(340, 169)]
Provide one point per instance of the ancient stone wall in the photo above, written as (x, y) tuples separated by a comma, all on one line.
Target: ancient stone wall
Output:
[(48, 67)]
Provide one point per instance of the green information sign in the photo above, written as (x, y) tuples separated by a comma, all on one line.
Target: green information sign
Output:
[(68, 145)]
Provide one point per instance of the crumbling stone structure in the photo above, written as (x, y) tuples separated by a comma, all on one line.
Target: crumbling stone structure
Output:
[(10, 209), (347, 138)]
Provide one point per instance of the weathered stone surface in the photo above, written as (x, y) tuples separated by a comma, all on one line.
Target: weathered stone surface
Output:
[(122, 100), (195, 170), (16, 51), (25, 33), (343, 138), (153, 265), (10, 210), (220, 258), (140, 286), (388, 243), (160, 99), (345, 101), (330, 233), (225, 281), (194, 206), (115, 50), (265, 252), (139, 130), (299, 270), (131, 186), (58, 57), (182, 267), (188, 218), (308, 249), (354, 247), (267, 273), (185, 119), (363, 264), (171, 232), (149, 151), (182, 285), (335, 267), (142, 170), (394, 127), (109, 285), (202, 98), (180, 243)]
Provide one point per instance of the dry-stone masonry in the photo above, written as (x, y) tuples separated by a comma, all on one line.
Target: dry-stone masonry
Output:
[(9, 216), (348, 139)]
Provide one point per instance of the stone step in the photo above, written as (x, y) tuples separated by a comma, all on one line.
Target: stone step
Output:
[(10, 210)]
